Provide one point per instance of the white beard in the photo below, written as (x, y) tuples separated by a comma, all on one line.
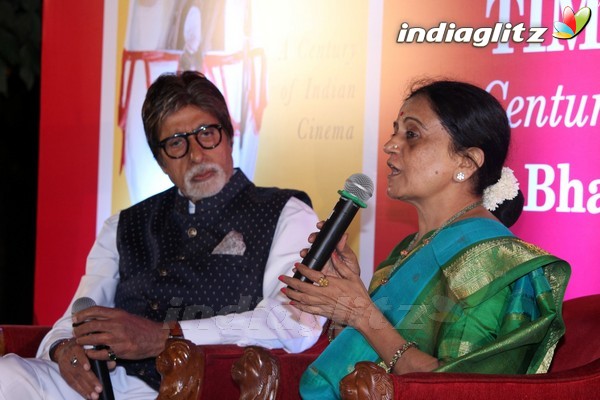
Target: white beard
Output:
[(200, 190)]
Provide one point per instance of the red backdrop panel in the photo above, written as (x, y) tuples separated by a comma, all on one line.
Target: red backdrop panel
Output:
[(68, 160)]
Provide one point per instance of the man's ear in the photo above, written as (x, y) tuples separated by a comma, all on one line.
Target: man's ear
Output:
[(471, 160)]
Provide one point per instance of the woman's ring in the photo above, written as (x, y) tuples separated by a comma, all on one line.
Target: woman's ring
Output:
[(111, 355), (323, 282), (74, 361)]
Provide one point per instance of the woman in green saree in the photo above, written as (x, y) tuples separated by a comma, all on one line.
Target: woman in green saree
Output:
[(463, 293)]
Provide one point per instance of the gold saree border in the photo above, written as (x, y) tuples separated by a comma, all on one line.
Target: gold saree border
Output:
[(482, 263)]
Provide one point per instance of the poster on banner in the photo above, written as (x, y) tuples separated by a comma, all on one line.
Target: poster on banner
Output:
[(293, 80)]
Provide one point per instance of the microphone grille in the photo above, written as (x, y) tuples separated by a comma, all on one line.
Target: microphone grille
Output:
[(359, 185), (81, 304)]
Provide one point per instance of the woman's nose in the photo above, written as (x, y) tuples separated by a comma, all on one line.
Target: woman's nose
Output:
[(390, 147)]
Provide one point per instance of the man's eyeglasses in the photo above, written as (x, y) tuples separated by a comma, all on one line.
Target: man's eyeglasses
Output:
[(178, 145)]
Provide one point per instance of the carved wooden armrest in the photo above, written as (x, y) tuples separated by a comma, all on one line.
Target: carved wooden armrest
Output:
[(181, 366), (257, 374), (191, 372), (368, 381)]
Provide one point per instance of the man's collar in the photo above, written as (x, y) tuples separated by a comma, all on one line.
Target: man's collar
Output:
[(236, 183)]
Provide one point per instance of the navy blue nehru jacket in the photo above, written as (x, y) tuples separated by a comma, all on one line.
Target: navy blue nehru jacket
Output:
[(166, 263)]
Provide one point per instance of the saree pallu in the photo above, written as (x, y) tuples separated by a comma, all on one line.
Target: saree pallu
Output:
[(476, 297)]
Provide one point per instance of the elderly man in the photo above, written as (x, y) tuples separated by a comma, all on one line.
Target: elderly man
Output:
[(200, 260)]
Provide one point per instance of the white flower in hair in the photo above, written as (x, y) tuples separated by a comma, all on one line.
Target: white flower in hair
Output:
[(506, 188)]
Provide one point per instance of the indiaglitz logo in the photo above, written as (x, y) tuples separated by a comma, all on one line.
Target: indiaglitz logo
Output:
[(533, 30), (572, 23), (478, 37)]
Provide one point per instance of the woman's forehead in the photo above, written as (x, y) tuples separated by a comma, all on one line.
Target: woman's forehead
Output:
[(417, 108)]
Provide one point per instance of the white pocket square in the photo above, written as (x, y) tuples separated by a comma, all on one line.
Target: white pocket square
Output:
[(232, 244)]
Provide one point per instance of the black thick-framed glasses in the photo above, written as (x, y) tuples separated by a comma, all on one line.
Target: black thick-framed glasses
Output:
[(178, 145)]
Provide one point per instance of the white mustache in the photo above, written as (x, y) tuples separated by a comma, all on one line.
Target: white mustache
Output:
[(201, 169)]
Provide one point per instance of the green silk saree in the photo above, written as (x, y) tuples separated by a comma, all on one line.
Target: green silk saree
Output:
[(476, 297)]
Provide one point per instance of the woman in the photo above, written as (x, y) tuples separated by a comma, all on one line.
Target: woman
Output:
[(462, 293)]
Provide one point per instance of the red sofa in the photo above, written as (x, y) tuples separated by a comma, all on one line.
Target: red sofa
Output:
[(574, 373)]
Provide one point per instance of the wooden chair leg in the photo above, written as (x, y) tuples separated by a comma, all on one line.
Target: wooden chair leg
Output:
[(368, 381), (181, 366), (257, 374)]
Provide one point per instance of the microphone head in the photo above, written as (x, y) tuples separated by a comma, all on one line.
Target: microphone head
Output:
[(360, 185), (81, 304)]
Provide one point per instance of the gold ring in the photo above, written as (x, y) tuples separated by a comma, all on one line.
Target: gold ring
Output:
[(74, 361), (323, 282), (112, 355)]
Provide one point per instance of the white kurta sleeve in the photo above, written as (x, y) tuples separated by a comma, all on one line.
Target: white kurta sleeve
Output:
[(99, 282), (273, 323)]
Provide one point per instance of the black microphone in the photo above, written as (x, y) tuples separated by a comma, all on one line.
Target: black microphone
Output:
[(357, 190), (99, 367)]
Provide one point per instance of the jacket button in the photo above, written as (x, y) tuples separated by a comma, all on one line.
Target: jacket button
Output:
[(163, 272), (154, 305), (192, 232)]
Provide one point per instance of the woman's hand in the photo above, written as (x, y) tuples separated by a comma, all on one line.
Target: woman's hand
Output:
[(341, 250), (345, 299)]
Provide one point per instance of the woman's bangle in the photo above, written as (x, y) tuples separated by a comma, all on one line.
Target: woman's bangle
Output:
[(398, 354), (331, 330)]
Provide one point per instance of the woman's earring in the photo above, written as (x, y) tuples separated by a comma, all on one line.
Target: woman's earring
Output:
[(460, 176)]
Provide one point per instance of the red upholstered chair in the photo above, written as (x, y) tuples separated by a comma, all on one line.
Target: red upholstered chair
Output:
[(214, 379), (21, 339), (574, 373)]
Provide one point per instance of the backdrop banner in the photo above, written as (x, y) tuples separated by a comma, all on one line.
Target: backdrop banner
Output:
[(313, 88)]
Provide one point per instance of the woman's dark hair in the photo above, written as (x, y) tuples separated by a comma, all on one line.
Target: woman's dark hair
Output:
[(474, 118), (171, 92), (509, 211)]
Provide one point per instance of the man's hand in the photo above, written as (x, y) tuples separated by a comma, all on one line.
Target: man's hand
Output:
[(75, 369), (128, 336)]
